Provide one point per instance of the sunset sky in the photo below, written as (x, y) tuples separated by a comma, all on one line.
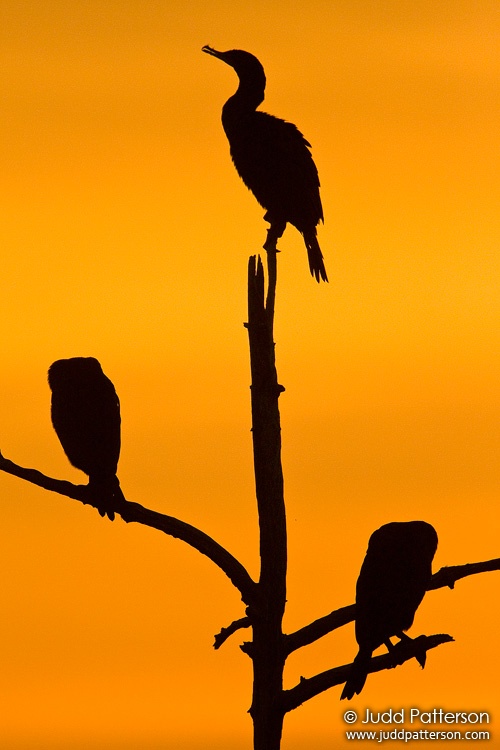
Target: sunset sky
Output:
[(125, 235)]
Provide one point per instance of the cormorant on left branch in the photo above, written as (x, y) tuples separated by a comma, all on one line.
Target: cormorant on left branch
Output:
[(272, 158), (85, 413), (392, 582)]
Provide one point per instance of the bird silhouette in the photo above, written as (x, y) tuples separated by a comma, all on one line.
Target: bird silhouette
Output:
[(272, 158), (394, 577), (85, 413)]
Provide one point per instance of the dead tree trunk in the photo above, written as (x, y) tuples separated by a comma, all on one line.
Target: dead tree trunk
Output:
[(267, 648), (265, 600)]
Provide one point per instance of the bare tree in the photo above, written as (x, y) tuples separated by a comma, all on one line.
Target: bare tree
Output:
[(265, 599)]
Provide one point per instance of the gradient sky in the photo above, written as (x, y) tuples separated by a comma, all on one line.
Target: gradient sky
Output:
[(125, 235)]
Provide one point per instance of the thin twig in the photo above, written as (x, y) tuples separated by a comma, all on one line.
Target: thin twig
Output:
[(225, 633)]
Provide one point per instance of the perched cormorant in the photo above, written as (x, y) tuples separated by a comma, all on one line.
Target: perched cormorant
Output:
[(392, 582), (85, 413), (272, 158)]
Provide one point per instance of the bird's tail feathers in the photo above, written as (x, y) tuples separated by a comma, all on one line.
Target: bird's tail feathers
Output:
[(357, 676), (315, 256)]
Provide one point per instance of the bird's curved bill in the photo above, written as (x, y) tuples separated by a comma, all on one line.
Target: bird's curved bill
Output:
[(211, 51)]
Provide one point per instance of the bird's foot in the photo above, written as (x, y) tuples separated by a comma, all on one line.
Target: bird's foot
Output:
[(274, 233), (399, 652), (270, 245), (393, 652), (104, 511), (103, 500), (420, 651)]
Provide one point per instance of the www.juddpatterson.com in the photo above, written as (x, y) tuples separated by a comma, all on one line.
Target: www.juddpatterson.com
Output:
[(417, 718)]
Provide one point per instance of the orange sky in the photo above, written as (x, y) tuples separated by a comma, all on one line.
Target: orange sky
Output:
[(125, 234)]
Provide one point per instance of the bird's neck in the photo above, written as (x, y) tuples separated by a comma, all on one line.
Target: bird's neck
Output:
[(245, 101)]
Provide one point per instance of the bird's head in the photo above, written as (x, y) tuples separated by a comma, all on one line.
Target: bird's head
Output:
[(407, 538), (246, 65), (75, 368)]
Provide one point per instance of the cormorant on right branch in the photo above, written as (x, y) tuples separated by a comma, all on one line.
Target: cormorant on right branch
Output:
[(392, 582), (272, 158), (85, 413)]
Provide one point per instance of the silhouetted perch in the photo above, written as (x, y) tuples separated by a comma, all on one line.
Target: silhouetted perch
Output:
[(309, 687), (135, 513), (266, 648)]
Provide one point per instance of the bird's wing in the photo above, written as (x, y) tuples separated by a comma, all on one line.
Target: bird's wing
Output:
[(392, 582), (274, 161), (87, 423)]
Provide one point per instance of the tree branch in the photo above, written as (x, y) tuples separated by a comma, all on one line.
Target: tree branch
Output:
[(135, 513), (317, 629), (402, 652), (225, 633), (446, 576)]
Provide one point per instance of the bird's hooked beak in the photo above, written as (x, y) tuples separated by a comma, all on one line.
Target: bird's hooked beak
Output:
[(211, 51)]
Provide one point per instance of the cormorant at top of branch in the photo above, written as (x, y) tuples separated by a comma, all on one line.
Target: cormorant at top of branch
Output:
[(85, 413), (272, 158), (392, 582)]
